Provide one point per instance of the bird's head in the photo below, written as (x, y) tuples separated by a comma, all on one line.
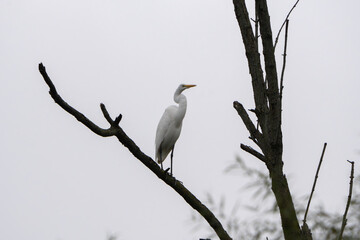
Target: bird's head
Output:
[(182, 87)]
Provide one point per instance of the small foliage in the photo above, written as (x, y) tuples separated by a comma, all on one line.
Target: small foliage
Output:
[(324, 225)]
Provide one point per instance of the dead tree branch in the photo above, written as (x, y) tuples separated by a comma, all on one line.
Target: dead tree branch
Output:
[(348, 201), (287, 17), (117, 131), (284, 60), (314, 184), (283, 72), (253, 152), (255, 135)]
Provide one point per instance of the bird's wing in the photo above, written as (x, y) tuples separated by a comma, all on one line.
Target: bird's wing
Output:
[(163, 127)]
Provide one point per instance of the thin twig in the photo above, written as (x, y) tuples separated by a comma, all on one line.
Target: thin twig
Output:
[(284, 60), (315, 180), (282, 75), (287, 17), (348, 201)]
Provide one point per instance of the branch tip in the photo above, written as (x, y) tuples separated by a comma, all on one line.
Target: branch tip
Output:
[(252, 152), (344, 221), (118, 119), (106, 114), (236, 104), (47, 79), (286, 19)]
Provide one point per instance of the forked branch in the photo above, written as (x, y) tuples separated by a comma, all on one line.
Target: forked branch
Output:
[(287, 17), (78, 115), (117, 131)]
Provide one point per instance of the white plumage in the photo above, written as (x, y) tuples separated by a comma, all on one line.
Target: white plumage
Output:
[(169, 127)]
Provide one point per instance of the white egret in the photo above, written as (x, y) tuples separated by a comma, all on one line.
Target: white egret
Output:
[(169, 127)]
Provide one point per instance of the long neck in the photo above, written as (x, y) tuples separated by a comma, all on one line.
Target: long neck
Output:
[(181, 100)]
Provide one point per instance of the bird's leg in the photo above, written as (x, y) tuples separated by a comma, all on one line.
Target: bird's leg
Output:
[(161, 158), (171, 156), (162, 168)]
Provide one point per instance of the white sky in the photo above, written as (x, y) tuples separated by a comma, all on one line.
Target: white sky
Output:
[(60, 181)]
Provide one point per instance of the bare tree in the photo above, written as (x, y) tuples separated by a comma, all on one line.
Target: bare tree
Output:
[(267, 96), (267, 89)]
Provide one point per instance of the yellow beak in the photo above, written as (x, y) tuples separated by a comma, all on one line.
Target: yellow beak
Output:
[(189, 86)]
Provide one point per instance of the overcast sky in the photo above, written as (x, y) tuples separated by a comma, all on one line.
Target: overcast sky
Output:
[(59, 181)]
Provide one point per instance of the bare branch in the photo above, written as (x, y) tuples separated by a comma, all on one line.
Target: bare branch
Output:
[(108, 118), (117, 131), (106, 114), (118, 119), (315, 180), (78, 115), (282, 75), (253, 152), (255, 135), (287, 17), (348, 201), (284, 60)]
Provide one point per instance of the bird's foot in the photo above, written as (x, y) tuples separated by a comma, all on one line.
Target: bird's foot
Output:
[(169, 173)]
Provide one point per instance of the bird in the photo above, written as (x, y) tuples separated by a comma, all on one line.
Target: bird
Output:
[(169, 127)]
